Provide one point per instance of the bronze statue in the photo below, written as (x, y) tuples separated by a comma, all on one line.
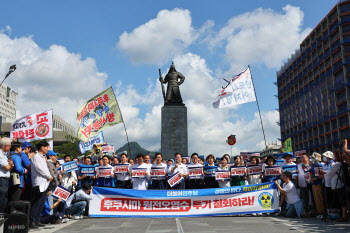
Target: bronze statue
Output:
[(173, 95)]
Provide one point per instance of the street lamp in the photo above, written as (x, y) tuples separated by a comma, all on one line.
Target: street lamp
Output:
[(11, 70)]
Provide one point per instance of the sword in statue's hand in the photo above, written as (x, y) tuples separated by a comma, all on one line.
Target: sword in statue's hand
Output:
[(161, 83)]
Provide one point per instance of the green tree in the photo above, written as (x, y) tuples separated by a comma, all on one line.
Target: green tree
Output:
[(70, 147)]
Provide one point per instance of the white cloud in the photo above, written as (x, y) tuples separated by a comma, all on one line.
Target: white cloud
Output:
[(262, 36), (49, 79), (160, 39)]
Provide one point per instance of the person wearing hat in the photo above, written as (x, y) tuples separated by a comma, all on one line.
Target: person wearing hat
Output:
[(270, 162), (26, 156), (316, 180), (328, 159), (51, 164)]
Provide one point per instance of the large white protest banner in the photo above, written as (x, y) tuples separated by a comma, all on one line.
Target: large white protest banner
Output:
[(110, 202), (239, 90), (33, 127)]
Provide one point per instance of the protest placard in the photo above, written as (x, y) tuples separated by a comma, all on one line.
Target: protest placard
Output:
[(61, 192), (175, 179), (121, 168), (290, 168), (195, 172), (210, 171), (104, 171), (272, 171), (255, 169), (87, 170), (238, 171), (33, 127), (69, 166), (307, 176), (317, 170), (157, 172), (139, 173), (222, 175), (85, 146), (299, 153), (108, 150)]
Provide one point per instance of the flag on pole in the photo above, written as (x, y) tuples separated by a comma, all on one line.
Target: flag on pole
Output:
[(98, 113), (287, 146), (239, 90)]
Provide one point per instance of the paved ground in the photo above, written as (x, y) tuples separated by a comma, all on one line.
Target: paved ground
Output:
[(202, 225)]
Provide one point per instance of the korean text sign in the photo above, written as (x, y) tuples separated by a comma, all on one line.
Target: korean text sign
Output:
[(85, 146), (109, 202), (33, 127), (61, 192), (98, 113)]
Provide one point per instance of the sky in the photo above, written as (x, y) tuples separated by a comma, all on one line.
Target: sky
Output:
[(68, 51)]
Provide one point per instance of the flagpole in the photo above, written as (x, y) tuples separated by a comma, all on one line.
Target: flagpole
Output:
[(257, 103), (121, 115)]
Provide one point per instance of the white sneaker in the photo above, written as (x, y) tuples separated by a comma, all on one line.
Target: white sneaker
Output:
[(259, 214), (64, 220), (75, 217), (320, 216)]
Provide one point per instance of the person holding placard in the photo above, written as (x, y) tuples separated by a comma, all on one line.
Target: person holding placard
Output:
[(316, 180), (305, 188), (46, 217), (224, 167), (254, 178), (195, 173), (209, 173), (83, 178), (238, 180), (289, 193), (140, 174), (180, 168), (272, 172), (158, 173), (105, 173), (124, 179)]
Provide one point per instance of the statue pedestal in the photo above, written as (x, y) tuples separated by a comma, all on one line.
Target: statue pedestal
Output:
[(174, 131)]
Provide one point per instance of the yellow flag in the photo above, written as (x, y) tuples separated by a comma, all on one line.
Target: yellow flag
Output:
[(98, 113), (287, 146)]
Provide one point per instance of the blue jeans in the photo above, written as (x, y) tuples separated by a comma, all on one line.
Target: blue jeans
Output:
[(294, 210), (77, 208)]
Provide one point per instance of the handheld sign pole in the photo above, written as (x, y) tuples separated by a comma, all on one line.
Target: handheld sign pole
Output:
[(257, 103), (121, 116)]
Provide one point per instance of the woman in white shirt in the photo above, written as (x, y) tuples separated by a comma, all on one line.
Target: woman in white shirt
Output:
[(224, 167), (256, 178)]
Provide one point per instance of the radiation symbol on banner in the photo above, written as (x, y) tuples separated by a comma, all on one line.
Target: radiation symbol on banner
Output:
[(266, 200), (231, 140)]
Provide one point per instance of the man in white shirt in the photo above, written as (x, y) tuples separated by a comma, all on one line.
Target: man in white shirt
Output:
[(77, 202), (195, 182), (178, 167), (289, 193), (5, 167), (124, 180), (158, 183), (141, 183), (41, 178)]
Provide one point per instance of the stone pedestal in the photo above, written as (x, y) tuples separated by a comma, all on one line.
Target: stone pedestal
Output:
[(174, 131)]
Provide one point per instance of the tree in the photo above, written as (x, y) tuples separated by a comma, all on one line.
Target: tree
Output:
[(71, 147)]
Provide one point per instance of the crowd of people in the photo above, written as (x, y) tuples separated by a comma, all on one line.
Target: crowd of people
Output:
[(319, 187)]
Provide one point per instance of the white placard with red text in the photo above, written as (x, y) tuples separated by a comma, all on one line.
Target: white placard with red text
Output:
[(61, 192), (195, 172), (175, 180), (238, 171), (272, 171), (139, 173), (252, 170), (222, 175), (104, 171), (33, 127), (110, 202)]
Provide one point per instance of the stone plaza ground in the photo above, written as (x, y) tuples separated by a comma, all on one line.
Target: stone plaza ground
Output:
[(200, 225)]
